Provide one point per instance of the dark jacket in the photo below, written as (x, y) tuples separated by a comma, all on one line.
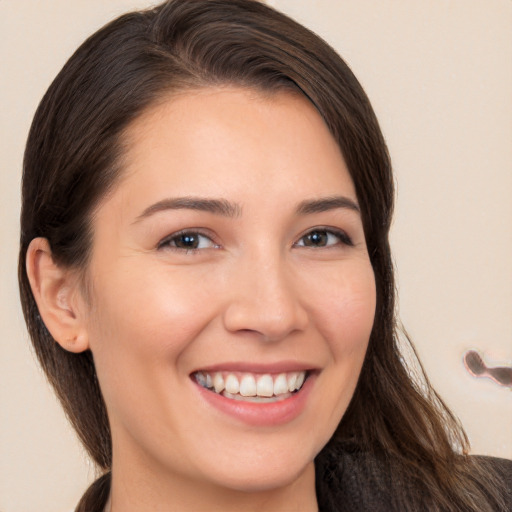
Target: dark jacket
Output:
[(349, 480)]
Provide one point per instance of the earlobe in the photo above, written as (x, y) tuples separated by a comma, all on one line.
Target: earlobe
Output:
[(56, 292)]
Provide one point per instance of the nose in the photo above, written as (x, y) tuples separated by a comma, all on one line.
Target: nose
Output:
[(265, 300)]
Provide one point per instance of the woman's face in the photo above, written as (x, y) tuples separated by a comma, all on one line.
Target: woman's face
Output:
[(232, 256)]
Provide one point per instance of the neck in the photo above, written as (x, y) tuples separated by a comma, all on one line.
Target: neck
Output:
[(108, 506)]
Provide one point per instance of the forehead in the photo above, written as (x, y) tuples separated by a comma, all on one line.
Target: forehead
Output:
[(225, 141)]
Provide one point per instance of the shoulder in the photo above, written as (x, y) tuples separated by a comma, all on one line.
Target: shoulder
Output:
[(501, 471), (365, 481), (502, 467)]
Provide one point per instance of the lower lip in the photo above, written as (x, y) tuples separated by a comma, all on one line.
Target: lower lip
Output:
[(260, 414)]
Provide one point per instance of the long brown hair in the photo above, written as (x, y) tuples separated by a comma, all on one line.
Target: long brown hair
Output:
[(73, 158)]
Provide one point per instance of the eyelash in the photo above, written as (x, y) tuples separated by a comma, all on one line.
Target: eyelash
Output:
[(343, 238), (166, 243)]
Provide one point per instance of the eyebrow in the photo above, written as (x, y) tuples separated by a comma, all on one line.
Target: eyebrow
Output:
[(325, 204), (215, 206), (227, 209)]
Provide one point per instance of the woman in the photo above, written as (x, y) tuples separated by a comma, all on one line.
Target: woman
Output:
[(206, 276)]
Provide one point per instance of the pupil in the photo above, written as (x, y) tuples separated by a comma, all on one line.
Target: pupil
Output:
[(188, 241), (317, 238)]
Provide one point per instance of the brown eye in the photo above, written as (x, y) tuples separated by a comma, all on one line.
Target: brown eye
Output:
[(324, 238), (187, 241), (316, 239)]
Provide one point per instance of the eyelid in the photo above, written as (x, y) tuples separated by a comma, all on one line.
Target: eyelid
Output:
[(343, 237), (164, 243)]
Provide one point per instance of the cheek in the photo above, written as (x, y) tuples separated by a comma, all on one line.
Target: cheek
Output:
[(151, 307), (144, 322), (344, 310)]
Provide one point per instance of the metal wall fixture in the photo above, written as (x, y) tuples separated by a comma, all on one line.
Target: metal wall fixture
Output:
[(476, 366)]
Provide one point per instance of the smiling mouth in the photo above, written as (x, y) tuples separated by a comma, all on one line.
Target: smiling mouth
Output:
[(252, 387)]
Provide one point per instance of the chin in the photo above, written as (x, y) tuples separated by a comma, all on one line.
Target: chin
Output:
[(261, 470), (265, 479)]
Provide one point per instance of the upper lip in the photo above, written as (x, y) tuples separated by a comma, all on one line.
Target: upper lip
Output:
[(252, 367)]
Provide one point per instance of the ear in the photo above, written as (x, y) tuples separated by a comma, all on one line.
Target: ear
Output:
[(58, 297)]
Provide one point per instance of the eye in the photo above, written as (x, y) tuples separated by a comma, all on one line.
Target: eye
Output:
[(324, 238), (187, 241)]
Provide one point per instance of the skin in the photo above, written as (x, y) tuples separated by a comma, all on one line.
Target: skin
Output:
[(254, 291)]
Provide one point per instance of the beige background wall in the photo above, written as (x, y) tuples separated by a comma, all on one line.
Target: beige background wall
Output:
[(439, 74)]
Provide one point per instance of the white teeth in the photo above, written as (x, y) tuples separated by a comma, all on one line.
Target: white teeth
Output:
[(232, 384), (201, 379), (280, 384), (292, 379), (248, 386), (218, 382), (256, 399), (265, 386), (300, 380)]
